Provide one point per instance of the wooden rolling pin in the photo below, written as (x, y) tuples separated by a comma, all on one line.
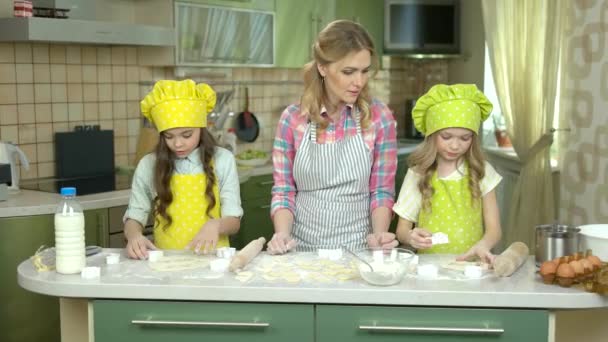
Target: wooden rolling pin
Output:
[(511, 259), (245, 255)]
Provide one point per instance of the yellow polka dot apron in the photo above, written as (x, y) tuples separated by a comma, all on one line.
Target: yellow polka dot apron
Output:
[(188, 211), (453, 213)]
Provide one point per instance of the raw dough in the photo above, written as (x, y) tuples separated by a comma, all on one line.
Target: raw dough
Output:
[(179, 263), (461, 265)]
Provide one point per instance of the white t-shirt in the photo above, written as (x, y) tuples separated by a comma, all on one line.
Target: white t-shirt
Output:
[(410, 199)]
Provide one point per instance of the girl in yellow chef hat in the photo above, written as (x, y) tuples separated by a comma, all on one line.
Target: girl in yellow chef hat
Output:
[(449, 187), (189, 184)]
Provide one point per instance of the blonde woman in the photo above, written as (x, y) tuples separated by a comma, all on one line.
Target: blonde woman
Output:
[(449, 188), (334, 153)]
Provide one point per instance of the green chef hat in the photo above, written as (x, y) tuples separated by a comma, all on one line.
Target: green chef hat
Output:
[(445, 106)]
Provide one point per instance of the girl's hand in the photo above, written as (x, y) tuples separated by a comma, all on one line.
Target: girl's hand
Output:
[(384, 240), (280, 243), (480, 250), (420, 238), (137, 247), (207, 237)]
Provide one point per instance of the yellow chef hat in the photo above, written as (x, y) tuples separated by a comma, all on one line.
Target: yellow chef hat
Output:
[(444, 106), (173, 104)]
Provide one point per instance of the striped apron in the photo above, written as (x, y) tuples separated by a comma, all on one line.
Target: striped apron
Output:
[(332, 204)]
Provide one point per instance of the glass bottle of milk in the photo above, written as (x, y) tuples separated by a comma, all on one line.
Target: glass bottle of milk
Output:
[(69, 234)]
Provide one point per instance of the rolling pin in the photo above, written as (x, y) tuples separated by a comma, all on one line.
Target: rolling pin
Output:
[(245, 255), (511, 259)]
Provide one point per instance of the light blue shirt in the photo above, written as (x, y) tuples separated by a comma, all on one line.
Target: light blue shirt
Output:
[(143, 192)]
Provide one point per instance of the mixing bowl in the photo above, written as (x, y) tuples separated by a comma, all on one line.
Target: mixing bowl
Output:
[(387, 266)]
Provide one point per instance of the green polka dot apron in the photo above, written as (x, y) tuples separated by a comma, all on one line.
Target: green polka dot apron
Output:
[(453, 213), (188, 211)]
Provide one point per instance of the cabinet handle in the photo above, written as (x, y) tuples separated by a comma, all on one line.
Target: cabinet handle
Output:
[(267, 206), (200, 324), (434, 330), (267, 182)]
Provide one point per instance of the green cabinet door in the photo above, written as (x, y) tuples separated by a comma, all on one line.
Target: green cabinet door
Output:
[(154, 321), (256, 222), (260, 5), (368, 13), (24, 315), (96, 227), (420, 324), (297, 25)]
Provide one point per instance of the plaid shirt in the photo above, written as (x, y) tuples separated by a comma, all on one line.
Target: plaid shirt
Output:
[(380, 138)]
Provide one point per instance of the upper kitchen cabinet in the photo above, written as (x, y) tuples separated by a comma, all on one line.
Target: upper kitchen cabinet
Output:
[(368, 13), (127, 22), (298, 23), (210, 35)]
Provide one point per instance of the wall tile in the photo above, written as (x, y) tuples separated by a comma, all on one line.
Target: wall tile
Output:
[(57, 54), (44, 112), (75, 92), (72, 125), (133, 109), (46, 170), (131, 56), (8, 73), (61, 126), (132, 74), (119, 92), (9, 133), (7, 53), (104, 55), (145, 74), (89, 92), (91, 111), (44, 132), (30, 173), (120, 129), (119, 55), (59, 92), (73, 54), (40, 53), (89, 73), (42, 73), (8, 94), (89, 55), (122, 159), (75, 112), (60, 113), (132, 144), (8, 115), (30, 152), (105, 111), (133, 127), (104, 74), (24, 73), (58, 73), (120, 144), (106, 124), (45, 151), (23, 53), (27, 113), (119, 110), (132, 92), (74, 73), (119, 74), (25, 93), (42, 93)]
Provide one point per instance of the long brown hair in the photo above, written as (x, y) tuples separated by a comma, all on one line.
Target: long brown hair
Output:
[(424, 161), (165, 166), (336, 41)]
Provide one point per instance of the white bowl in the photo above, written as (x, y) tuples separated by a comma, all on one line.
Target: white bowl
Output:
[(389, 266), (253, 162), (595, 238)]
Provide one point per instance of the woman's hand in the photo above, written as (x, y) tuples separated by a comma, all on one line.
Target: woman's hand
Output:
[(280, 243), (420, 238), (207, 237), (384, 240), (480, 250), (138, 246)]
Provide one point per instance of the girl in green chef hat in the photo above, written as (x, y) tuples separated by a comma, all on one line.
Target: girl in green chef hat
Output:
[(449, 187)]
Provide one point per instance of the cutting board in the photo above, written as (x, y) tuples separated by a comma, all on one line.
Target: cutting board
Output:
[(146, 143)]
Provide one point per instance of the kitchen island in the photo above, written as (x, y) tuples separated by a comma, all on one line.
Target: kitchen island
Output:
[(130, 302)]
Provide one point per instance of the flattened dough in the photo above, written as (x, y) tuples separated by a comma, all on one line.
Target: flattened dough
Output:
[(461, 265), (179, 263)]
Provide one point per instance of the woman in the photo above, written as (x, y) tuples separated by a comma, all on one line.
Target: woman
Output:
[(334, 153)]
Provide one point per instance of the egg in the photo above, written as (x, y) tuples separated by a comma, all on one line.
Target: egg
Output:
[(547, 271), (578, 268), (597, 263), (565, 275), (587, 265)]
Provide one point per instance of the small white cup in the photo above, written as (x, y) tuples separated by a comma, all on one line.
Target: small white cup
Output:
[(112, 259), (154, 256), (90, 272)]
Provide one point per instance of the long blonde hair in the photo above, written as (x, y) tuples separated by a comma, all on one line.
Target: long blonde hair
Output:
[(424, 161), (338, 39)]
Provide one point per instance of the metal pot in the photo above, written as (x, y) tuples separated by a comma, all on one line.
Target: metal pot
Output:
[(555, 240)]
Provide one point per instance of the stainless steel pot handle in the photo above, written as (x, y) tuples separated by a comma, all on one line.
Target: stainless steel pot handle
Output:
[(433, 330), (200, 324)]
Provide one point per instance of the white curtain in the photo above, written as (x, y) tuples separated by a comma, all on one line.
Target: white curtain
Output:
[(526, 40)]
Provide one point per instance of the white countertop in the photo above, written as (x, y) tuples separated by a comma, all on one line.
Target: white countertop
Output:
[(133, 279)]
